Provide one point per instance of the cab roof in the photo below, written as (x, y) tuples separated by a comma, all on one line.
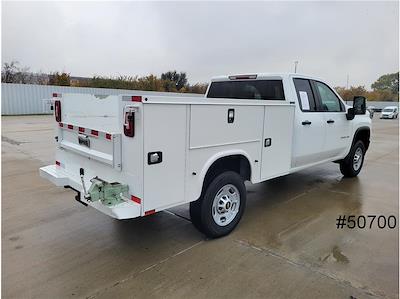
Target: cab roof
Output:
[(262, 76)]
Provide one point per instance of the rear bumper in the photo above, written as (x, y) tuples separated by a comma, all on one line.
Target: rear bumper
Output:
[(59, 177)]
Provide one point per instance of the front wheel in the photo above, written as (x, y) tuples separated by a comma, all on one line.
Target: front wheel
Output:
[(352, 164), (221, 205)]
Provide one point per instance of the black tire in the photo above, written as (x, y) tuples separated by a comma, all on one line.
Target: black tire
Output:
[(347, 167), (201, 210)]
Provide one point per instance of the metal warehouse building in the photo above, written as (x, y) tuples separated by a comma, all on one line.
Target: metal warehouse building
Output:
[(28, 98)]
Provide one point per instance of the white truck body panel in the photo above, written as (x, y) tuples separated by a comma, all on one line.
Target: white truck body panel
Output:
[(276, 159), (192, 134), (165, 130)]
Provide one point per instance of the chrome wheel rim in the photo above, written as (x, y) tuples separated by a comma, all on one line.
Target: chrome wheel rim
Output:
[(357, 159), (226, 205)]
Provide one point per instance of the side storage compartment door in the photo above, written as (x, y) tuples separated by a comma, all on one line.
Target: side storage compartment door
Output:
[(164, 155), (277, 141)]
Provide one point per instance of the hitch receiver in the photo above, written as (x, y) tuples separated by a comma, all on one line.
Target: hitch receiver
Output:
[(77, 196)]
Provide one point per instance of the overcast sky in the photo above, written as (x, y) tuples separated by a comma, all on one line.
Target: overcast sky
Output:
[(204, 39)]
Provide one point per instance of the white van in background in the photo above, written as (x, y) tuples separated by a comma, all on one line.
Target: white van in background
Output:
[(390, 112)]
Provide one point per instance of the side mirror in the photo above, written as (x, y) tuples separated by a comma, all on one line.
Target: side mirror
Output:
[(350, 113), (359, 105)]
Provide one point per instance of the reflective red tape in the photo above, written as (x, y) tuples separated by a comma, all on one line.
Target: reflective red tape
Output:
[(83, 130), (149, 212), (136, 199), (136, 98)]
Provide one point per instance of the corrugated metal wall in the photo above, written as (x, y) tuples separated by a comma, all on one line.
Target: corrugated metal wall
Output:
[(28, 98)]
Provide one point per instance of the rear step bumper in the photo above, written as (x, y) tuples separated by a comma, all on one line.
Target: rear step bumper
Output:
[(59, 177)]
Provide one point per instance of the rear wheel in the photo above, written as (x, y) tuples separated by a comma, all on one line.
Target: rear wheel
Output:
[(352, 164), (220, 208)]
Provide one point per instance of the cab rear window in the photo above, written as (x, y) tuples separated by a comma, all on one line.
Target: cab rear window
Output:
[(248, 89)]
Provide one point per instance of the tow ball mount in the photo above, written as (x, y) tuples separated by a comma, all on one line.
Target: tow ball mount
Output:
[(77, 196)]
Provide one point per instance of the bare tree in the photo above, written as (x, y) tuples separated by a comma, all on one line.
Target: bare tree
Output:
[(9, 71), (23, 76)]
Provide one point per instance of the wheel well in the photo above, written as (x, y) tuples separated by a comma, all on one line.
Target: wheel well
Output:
[(237, 163), (362, 134)]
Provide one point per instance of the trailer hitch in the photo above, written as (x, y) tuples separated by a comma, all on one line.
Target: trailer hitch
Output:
[(77, 196)]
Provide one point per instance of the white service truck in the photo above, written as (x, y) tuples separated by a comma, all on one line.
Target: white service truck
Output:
[(134, 155)]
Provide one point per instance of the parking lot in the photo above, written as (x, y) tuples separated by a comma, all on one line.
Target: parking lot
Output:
[(286, 245)]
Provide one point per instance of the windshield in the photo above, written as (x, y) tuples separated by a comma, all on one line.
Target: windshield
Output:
[(388, 110), (249, 89)]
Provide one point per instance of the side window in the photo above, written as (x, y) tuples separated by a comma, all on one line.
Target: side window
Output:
[(248, 89), (329, 101), (305, 94)]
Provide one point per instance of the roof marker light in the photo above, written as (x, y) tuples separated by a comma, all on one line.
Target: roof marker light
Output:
[(241, 77)]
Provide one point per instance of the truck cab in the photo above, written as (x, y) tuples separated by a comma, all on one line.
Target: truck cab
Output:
[(134, 155), (322, 130)]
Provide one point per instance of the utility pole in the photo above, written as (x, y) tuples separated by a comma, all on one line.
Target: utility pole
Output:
[(347, 84), (295, 66)]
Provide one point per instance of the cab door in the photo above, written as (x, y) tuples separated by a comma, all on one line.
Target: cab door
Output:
[(338, 128), (309, 126)]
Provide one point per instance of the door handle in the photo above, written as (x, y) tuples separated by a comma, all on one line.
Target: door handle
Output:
[(306, 122), (330, 121)]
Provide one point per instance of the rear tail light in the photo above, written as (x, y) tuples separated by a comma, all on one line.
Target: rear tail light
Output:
[(57, 110), (129, 125)]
